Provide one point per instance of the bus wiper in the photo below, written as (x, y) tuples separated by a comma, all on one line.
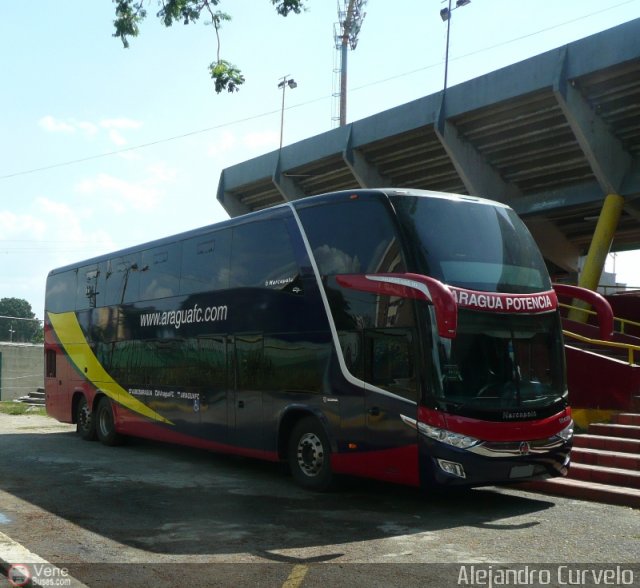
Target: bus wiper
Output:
[(515, 370)]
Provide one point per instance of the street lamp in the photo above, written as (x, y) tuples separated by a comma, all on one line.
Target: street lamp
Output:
[(445, 15), (284, 82)]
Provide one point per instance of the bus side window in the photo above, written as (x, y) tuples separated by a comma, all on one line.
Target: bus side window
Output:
[(391, 361), (88, 292), (262, 256), (353, 237), (50, 363), (160, 272), (61, 291), (205, 262), (351, 344), (122, 277)]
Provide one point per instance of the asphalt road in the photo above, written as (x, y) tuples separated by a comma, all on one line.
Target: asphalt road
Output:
[(148, 514)]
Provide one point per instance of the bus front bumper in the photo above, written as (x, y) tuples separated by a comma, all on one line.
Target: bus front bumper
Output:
[(492, 463)]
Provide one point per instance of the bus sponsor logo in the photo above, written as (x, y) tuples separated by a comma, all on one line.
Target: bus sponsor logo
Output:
[(516, 303), (176, 395), (186, 316), (165, 394)]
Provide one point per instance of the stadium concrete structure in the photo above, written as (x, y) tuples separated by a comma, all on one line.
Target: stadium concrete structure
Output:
[(557, 137)]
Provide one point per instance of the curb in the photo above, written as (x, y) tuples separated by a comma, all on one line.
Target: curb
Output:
[(13, 553)]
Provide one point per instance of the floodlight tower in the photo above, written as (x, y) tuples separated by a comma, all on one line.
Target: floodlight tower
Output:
[(350, 17)]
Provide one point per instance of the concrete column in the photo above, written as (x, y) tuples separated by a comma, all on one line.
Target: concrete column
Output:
[(599, 248)]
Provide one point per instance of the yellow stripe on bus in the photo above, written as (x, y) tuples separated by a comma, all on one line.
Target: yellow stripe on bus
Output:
[(72, 338)]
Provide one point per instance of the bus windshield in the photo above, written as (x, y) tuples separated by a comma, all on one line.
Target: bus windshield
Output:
[(473, 245), (500, 361), (497, 361)]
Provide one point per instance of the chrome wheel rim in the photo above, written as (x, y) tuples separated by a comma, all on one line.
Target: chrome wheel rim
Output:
[(104, 422), (84, 417), (310, 454)]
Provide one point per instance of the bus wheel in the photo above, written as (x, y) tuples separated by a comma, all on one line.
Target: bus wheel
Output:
[(85, 423), (310, 455), (105, 425)]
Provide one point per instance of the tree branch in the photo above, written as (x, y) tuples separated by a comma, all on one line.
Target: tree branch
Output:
[(226, 76)]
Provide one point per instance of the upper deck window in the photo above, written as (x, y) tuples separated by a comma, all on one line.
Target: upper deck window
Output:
[(205, 262), (262, 256), (472, 245), (352, 237)]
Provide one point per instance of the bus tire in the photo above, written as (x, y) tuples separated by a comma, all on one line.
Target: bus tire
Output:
[(85, 422), (309, 455), (105, 423)]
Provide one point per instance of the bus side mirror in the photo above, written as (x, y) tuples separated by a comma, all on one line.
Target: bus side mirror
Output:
[(414, 286), (597, 301)]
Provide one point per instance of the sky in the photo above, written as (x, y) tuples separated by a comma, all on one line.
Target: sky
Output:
[(103, 147)]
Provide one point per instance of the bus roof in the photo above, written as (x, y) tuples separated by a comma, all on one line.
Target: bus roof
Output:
[(274, 212)]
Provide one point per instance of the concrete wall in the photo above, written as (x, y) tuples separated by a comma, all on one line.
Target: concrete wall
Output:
[(22, 369)]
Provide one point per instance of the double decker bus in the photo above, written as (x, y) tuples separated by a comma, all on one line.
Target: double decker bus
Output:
[(401, 335)]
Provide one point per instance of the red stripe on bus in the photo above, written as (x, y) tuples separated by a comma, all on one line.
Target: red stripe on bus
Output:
[(129, 423), (398, 464)]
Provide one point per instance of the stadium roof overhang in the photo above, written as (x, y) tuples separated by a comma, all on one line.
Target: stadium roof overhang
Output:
[(551, 136)]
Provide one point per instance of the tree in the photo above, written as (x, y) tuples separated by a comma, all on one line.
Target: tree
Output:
[(18, 323), (225, 75)]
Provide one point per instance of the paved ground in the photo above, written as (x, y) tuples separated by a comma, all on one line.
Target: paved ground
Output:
[(151, 514)]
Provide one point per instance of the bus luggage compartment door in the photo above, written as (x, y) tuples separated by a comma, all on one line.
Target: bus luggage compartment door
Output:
[(245, 399)]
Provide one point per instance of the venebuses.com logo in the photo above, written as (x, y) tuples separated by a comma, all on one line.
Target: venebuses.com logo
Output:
[(19, 575), (38, 574)]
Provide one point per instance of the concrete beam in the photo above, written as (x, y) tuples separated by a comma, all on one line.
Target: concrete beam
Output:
[(479, 178), (553, 245), (366, 174), (604, 152), (561, 199), (289, 189), (632, 209), (229, 201)]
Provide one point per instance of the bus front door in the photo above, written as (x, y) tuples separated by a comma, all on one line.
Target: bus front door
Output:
[(392, 396)]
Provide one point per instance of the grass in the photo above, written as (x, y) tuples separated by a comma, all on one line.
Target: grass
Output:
[(18, 408)]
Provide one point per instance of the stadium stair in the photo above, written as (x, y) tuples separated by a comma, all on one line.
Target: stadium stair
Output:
[(605, 460), (605, 464)]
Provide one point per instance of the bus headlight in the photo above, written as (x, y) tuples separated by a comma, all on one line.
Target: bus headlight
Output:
[(448, 437), (567, 433)]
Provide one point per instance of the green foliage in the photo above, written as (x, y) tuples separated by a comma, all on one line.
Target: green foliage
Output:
[(18, 408), (284, 7), (128, 15), (226, 76), (13, 327), (188, 11)]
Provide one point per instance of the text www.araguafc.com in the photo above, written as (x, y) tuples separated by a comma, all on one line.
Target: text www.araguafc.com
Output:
[(187, 316)]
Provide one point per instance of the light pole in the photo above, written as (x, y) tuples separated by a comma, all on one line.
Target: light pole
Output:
[(351, 17), (445, 15), (284, 82)]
